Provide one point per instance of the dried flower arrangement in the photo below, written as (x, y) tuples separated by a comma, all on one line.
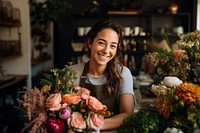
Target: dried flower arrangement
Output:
[(61, 106)]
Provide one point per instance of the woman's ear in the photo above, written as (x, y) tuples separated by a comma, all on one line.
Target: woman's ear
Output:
[(89, 44)]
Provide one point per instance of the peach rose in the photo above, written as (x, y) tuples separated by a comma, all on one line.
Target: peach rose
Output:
[(53, 102), (94, 104), (95, 121), (83, 93), (71, 99), (77, 121)]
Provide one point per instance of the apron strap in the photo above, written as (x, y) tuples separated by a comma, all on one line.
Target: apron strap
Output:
[(84, 74)]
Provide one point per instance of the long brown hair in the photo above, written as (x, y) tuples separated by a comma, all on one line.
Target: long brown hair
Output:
[(112, 72)]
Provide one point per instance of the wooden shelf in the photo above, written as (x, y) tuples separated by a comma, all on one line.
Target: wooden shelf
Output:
[(11, 57), (39, 60), (11, 24), (131, 12)]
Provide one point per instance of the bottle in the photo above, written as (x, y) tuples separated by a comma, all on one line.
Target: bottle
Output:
[(145, 45), (125, 61), (133, 45)]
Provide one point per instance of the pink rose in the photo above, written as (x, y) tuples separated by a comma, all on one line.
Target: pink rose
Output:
[(95, 121), (94, 104), (55, 125), (65, 113), (77, 121), (53, 102), (71, 99), (83, 93)]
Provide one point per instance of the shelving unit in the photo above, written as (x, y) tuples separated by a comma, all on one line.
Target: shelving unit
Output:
[(10, 48), (150, 26)]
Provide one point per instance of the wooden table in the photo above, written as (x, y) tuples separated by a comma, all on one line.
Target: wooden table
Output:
[(19, 80), (147, 97)]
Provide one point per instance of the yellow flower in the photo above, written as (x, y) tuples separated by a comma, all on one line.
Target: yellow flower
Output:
[(181, 103), (191, 116), (197, 55), (70, 131), (46, 88)]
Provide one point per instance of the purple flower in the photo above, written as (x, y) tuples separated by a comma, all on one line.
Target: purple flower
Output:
[(55, 125), (65, 113)]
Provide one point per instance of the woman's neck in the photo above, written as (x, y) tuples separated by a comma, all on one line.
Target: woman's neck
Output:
[(96, 70)]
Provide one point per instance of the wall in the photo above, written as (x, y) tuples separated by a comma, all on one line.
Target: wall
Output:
[(22, 65), (46, 65), (198, 15)]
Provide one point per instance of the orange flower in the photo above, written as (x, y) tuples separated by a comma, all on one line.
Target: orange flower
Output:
[(179, 53), (188, 92), (71, 99), (163, 105)]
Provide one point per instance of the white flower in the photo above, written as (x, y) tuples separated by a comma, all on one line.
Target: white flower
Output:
[(172, 81), (160, 89), (172, 130)]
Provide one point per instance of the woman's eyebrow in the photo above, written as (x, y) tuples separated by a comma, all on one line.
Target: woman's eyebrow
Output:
[(106, 41), (100, 39)]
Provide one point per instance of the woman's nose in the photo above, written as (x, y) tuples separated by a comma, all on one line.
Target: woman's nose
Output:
[(106, 49)]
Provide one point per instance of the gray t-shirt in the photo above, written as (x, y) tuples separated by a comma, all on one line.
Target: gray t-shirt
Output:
[(126, 85)]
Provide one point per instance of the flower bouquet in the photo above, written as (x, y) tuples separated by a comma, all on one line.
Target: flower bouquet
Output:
[(170, 63), (183, 63), (190, 43), (178, 103), (61, 106), (177, 108)]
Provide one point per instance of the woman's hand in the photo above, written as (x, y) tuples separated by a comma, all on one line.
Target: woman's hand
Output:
[(126, 109)]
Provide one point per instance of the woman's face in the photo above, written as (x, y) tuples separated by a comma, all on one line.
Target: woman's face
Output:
[(104, 46)]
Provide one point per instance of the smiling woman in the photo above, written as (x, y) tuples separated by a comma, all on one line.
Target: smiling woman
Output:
[(107, 79)]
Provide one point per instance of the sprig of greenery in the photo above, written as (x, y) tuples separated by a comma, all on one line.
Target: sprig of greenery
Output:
[(143, 121), (49, 10), (164, 54), (60, 79)]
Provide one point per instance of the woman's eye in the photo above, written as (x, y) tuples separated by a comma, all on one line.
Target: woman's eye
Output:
[(100, 43), (113, 46)]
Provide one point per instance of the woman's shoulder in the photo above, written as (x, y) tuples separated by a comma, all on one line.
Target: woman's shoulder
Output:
[(78, 67), (125, 70)]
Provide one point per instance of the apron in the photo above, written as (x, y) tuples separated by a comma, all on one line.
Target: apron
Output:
[(100, 92)]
